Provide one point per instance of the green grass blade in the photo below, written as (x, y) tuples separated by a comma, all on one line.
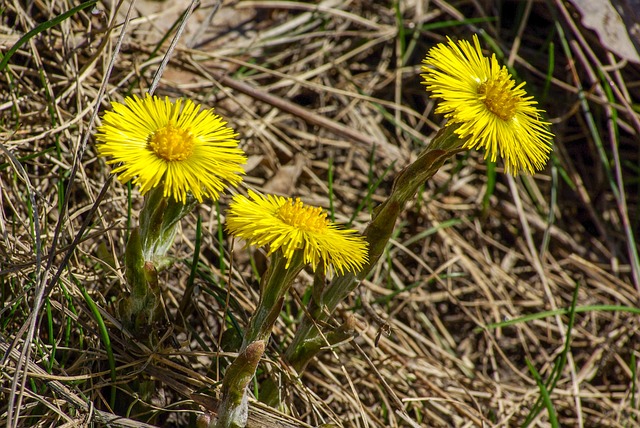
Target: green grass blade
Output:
[(371, 188), (188, 292), (491, 186), (567, 344), (196, 253), (401, 30), (40, 28), (547, 314), (560, 362), (544, 393), (106, 340), (634, 386), (551, 218), (617, 182), (551, 66)]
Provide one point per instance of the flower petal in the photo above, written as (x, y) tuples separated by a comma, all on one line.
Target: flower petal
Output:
[(288, 225), (493, 112), (212, 164)]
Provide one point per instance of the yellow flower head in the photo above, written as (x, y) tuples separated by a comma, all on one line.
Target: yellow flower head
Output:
[(176, 144), (480, 96), (288, 225)]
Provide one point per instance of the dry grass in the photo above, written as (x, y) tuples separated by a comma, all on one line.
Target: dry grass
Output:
[(309, 86)]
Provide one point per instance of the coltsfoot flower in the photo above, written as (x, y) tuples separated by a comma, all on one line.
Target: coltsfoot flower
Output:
[(491, 111), (289, 225), (178, 145)]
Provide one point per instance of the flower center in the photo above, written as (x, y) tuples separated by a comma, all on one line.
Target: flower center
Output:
[(172, 143), (310, 219), (498, 97)]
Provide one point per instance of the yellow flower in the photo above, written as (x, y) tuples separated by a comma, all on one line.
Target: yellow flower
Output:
[(173, 144), (479, 96), (288, 225)]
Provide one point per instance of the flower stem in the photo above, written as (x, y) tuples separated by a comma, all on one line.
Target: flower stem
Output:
[(145, 256), (234, 407), (275, 283), (444, 145)]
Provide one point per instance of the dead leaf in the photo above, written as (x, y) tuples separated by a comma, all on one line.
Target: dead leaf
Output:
[(603, 18), (284, 181)]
